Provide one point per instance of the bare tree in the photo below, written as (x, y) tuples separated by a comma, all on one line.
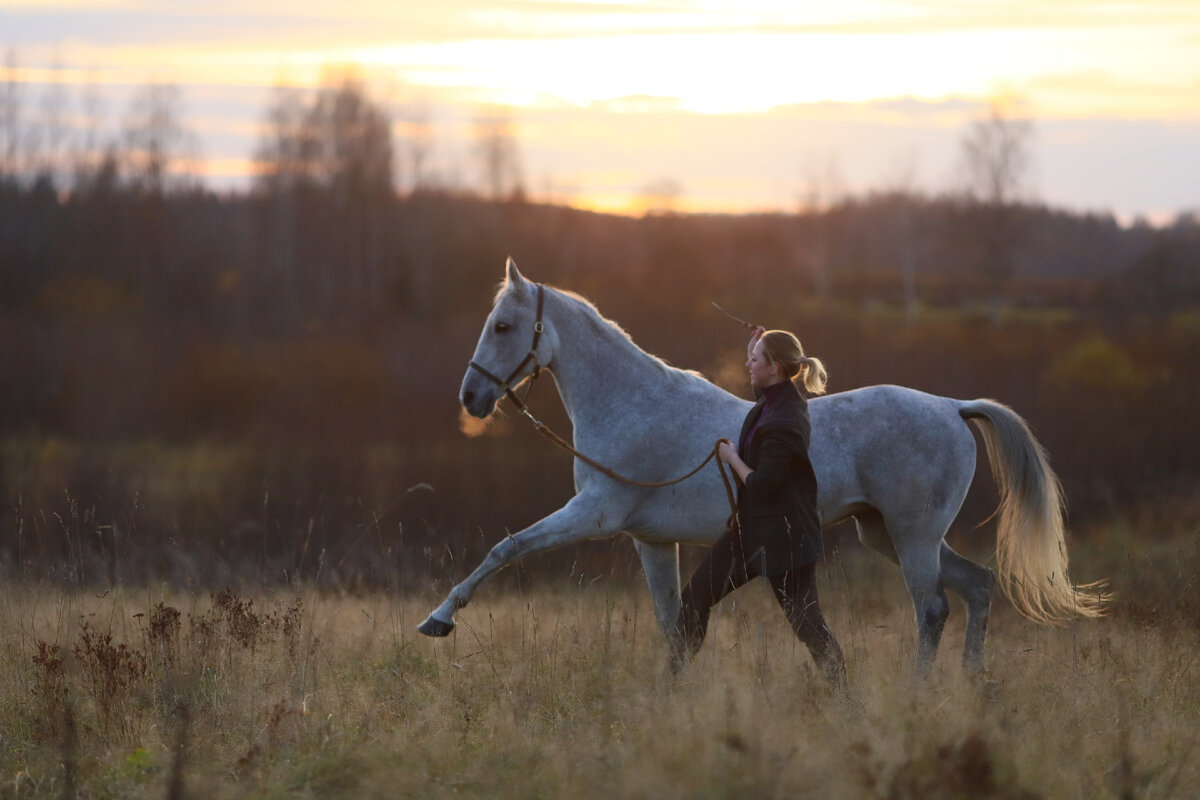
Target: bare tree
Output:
[(88, 151), (285, 153), (499, 160), (417, 223), (996, 152), (823, 184), (53, 130), (823, 188), (10, 116), (338, 139), (900, 196), (418, 139), (156, 140), (355, 161), (282, 162), (326, 164), (351, 133)]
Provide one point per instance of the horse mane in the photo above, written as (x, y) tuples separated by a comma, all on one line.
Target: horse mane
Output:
[(605, 323)]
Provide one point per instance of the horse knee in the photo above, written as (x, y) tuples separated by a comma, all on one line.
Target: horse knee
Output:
[(503, 551), (937, 609), (970, 581)]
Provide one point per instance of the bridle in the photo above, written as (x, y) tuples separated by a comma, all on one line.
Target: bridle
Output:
[(506, 386)]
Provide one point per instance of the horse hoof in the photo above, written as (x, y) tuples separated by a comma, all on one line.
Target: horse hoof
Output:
[(435, 627)]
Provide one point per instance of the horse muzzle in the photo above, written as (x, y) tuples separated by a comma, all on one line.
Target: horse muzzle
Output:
[(478, 397)]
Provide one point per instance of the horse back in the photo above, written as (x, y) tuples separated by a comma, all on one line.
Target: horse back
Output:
[(888, 447)]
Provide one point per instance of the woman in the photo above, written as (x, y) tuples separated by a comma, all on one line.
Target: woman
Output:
[(779, 536)]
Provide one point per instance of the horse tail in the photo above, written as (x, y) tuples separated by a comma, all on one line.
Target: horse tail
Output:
[(1031, 549)]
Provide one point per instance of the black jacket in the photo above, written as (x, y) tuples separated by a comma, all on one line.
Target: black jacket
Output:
[(777, 506)]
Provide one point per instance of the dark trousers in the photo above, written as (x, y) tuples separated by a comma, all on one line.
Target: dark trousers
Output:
[(724, 569)]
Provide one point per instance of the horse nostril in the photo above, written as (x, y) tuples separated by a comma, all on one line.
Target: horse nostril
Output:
[(467, 398)]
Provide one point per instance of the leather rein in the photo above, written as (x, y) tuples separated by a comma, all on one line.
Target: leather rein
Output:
[(540, 427)]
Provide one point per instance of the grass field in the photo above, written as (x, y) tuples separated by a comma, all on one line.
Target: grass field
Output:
[(562, 690)]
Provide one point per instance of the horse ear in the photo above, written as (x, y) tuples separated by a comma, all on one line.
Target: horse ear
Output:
[(515, 281)]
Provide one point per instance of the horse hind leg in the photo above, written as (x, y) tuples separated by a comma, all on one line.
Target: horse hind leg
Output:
[(921, 567), (973, 583)]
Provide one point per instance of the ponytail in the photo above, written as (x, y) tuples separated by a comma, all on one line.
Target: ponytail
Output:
[(816, 377), (784, 348)]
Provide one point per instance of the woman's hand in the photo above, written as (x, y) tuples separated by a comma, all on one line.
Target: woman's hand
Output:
[(728, 453), (754, 337)]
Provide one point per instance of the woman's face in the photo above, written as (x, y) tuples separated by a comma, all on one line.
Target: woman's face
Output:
[(763, 372)]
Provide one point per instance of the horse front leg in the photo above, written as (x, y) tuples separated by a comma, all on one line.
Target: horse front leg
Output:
[(660, 563), (577, 521)]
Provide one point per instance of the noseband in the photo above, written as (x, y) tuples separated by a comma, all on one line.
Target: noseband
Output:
[(506, 384)]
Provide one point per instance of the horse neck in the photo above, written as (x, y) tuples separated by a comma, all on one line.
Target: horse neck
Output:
[(598, 369)]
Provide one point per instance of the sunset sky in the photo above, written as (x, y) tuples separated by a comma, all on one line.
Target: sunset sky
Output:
[(744, 105)]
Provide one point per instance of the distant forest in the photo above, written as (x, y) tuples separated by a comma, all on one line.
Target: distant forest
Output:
[(208, 387)]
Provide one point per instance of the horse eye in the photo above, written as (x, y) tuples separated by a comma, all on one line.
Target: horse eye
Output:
[(501, 327)]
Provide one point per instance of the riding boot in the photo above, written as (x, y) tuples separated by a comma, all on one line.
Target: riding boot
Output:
[(830, 663), (690, 630)]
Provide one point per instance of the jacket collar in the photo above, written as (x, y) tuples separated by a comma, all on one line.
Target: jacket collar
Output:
[(776, 396), (778, 393)]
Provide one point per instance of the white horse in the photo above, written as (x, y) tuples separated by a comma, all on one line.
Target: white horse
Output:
[(897, 461)]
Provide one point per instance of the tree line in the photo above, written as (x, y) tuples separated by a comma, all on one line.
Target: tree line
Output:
[(265, 375)]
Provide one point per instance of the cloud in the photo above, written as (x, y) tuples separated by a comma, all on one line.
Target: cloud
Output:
[(729, 99)]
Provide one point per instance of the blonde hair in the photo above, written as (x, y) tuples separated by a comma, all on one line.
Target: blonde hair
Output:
[(784, 348)]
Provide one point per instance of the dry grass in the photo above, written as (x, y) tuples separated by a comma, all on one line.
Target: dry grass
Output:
[(564, 692)]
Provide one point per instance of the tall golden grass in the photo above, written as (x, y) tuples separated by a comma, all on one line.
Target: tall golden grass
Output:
[(564, 691)]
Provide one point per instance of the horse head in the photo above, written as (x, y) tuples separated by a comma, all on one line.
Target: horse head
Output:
[(512, 345)]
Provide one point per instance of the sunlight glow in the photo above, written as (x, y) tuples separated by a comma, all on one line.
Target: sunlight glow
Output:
[(699, 70), (624, 82), (709, 56), (60, 5)]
